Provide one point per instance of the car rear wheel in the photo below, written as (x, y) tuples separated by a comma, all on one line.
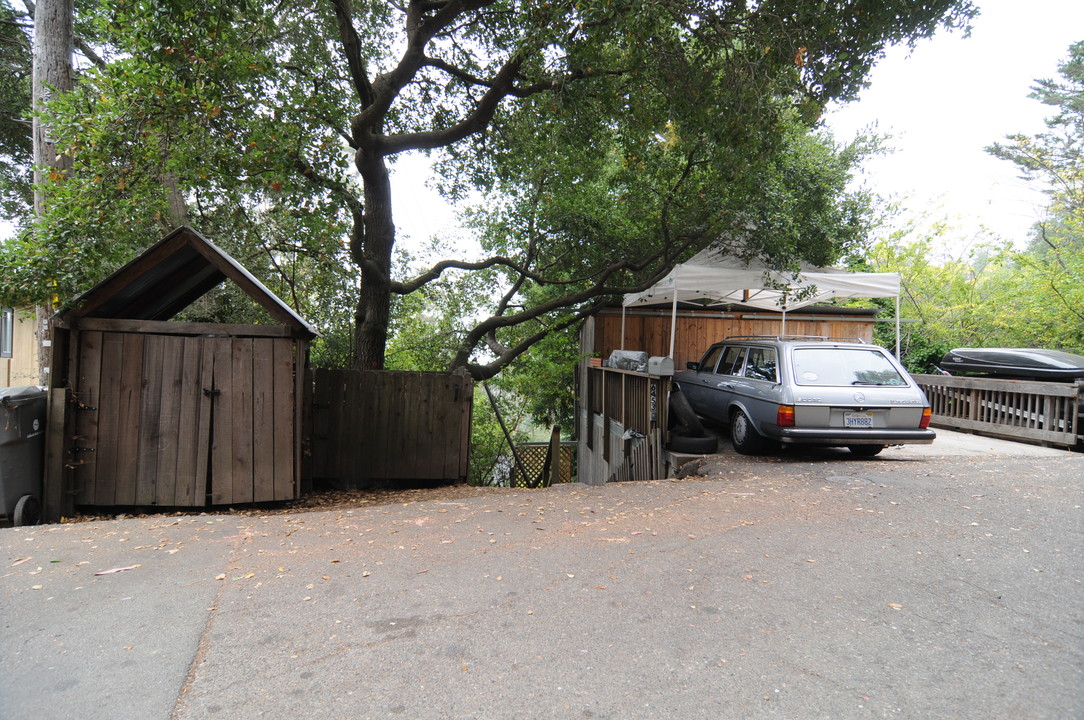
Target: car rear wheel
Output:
[(744, 436), (865, 450)]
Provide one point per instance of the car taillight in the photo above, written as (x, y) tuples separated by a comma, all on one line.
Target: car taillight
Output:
[(925, 421), (784, 417)]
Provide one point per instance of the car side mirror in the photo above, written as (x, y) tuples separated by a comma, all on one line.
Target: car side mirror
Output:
[(692, 365)]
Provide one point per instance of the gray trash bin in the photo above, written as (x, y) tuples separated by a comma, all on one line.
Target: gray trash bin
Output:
[(22, 452)]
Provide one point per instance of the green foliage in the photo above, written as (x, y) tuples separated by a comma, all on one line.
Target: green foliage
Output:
[(190, 122), (490, 456), (616, 138), (989, 296), (16, 194)]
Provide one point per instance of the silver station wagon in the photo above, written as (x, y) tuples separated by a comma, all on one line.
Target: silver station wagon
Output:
[(804, 390)]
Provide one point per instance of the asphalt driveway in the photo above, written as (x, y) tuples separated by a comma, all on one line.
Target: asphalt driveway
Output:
[(936, 584)]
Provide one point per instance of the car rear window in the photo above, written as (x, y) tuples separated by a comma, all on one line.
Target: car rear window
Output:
[(844, 366)]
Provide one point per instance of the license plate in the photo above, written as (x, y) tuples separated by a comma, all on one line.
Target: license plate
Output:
[(858, 419)]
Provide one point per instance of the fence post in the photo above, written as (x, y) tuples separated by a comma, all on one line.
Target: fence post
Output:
[(554, 457)]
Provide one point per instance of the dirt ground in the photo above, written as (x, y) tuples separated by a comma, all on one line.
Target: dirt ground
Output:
[(313, 501)]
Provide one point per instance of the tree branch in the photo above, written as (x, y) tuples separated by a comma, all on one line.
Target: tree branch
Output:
[(488, 370), (475, 122), (595, 294), (348, 35)]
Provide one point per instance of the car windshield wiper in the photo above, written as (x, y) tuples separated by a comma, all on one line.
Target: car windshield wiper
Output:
[(869, 382)]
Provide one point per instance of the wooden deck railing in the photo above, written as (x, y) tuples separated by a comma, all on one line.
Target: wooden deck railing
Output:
[(1047, 412), (631, 398), (630, 409)]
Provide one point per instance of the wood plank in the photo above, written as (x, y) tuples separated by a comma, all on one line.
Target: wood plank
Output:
[(266, 406), (285, 407), (189, 489), (1037, 387), (109, 420), (53, 503), (150, 421), (304, 447), (339, 448), (318, 438), (339, 435), (321, 439), (86, 391), (444, 461), (204, 438), (431, 459), (374, 411), (1052, 436), (127, 431), (413, 417), (221, 470), (301, 387), (241, 388), (172, 327), (170, 440)]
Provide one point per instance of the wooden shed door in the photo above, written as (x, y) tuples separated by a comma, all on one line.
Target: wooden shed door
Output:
[(183, 421)]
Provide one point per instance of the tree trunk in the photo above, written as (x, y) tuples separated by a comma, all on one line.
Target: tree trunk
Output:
[(374, 302), (52, 75)]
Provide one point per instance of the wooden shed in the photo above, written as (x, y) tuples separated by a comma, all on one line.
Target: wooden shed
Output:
[(179, 414), (648, 329)]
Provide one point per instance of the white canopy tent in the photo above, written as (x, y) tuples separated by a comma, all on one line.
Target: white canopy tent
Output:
[(722, 279)]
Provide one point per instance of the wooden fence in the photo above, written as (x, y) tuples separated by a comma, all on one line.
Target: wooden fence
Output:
[(622, 423), (1046, 412), (533, 456), (366, 428), (697, 330)]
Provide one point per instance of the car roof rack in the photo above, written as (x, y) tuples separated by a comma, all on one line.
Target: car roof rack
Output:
[(796, 337)]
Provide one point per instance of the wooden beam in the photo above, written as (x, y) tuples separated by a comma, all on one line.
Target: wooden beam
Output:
[(57, 500), (167, 327)]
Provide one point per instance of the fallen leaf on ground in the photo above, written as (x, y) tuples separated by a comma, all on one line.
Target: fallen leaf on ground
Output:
[(116, 570)]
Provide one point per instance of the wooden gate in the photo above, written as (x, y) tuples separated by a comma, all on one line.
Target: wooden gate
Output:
[(367, 427), (161, 417)]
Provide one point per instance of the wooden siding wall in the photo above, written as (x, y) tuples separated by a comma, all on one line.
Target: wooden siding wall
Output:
[(368, 427), (158, 417), (649, 330), (22, 368)]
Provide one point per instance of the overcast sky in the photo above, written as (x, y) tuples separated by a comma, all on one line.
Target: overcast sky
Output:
[(952, 97)]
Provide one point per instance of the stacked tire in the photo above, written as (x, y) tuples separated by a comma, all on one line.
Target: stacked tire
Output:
[(686, 431)]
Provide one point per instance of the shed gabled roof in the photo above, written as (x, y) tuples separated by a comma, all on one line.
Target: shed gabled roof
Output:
[(171, 275)]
